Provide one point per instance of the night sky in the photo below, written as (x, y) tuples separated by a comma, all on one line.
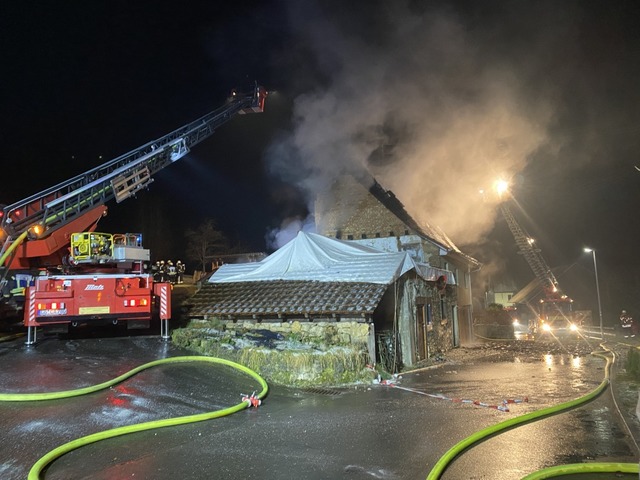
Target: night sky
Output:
[(437, 99)]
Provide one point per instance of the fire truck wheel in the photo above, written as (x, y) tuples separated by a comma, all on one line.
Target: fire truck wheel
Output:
[(115, 322)]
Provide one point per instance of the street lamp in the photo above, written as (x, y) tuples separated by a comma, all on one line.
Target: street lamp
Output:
[(595, 269)]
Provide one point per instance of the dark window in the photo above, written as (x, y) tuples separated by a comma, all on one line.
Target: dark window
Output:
[(364, 235), (377, 234), (443, 312), (391, 233), (349, 237), (406, 232)]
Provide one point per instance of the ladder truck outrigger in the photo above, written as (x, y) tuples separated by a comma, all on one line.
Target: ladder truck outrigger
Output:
[(56, 269)]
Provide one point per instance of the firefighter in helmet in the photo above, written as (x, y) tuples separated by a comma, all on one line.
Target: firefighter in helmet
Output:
[(627, 324), (180, 268), (155, 271), (171, 272), (162, 271)]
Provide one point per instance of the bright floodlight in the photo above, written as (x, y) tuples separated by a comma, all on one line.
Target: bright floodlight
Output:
[(588, 250), (501, 187)]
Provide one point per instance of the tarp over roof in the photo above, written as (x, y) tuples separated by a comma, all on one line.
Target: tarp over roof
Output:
[(314, 257)]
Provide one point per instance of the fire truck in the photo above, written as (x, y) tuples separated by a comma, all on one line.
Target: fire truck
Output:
[(555, 313), (56, 269)]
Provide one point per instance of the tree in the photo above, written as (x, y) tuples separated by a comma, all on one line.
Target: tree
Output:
[(204, 242)]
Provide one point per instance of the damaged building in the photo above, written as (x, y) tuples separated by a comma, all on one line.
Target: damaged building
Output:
[(374, 277), (359, 209)]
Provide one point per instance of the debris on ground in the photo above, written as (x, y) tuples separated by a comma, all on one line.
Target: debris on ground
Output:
[(509, 351)]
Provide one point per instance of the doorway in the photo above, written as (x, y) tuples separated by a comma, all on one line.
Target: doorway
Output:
[(423, 326)]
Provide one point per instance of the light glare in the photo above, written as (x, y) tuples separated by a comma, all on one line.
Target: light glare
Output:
[(501, 187)]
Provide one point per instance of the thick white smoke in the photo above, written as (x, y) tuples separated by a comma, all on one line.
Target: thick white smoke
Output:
[(288, 230), (420, 107)]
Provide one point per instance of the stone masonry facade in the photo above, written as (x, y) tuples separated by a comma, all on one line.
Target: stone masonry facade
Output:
[(348, 211), (344, 332)]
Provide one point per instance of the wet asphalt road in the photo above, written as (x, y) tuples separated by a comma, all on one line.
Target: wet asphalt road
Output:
[(368, 432)]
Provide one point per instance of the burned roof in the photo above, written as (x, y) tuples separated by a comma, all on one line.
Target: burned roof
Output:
[(395, 206), (285, 298)]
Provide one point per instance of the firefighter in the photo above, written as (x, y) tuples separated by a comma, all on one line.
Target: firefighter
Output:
[(162, 272), (9, 287), (180, 269), (171, 272), (627, 324), (155, 271)]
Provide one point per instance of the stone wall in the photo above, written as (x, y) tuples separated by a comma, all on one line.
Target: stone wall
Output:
[(348, 211), (331, 333), (287, 361)]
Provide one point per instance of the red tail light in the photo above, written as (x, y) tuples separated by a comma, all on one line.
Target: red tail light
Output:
[(133, 302)]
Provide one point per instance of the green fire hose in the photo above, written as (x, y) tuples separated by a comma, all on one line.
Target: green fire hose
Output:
[(40, 465), (434, 474), (481, 435)]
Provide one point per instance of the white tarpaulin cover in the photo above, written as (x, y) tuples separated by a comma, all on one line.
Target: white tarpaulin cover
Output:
[(314, 257)]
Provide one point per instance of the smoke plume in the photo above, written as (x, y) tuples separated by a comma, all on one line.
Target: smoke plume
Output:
[(421, 99)]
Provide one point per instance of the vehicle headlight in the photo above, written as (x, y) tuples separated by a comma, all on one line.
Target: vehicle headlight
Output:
[(546, 327), (573, 328)]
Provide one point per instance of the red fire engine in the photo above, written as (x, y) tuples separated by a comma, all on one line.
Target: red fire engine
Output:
[(58, 270)]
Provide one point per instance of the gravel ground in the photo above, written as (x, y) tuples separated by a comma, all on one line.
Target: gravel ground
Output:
[(507, 351)]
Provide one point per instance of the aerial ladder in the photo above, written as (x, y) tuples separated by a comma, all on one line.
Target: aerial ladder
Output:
[(555, 306), (531, 253), (35, 232)]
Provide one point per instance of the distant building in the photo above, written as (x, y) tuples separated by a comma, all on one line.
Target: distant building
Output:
[(218, 260), (502, 294)]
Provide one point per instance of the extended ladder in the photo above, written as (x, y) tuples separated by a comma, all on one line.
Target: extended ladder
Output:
[(119, 178), (530, 252)]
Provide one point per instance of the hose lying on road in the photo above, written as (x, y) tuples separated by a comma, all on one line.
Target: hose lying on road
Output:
[(8, 338), (575, 468), (477, 437), (40, 465)]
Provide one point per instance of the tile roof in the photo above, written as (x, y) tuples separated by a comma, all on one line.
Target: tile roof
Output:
[(281, 298)]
